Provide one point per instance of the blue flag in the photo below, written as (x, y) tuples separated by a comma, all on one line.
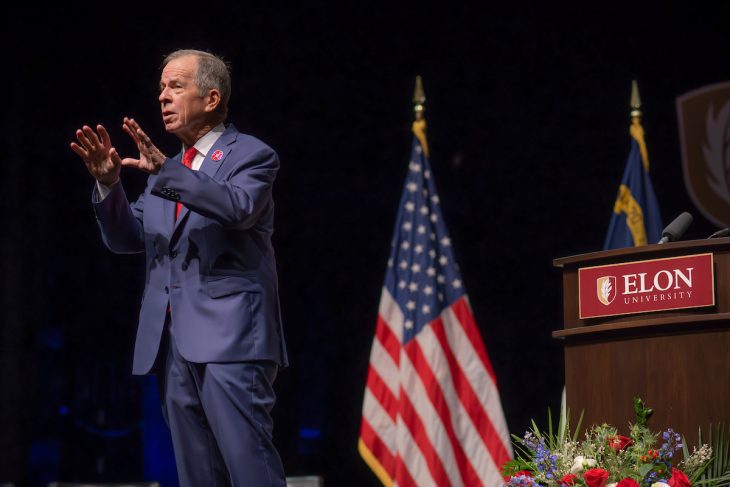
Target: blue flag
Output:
[(636, 219)]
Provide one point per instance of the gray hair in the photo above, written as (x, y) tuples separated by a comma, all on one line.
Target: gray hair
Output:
[(213, 73)]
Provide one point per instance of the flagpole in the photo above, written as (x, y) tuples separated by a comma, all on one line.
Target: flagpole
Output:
[(419, 99), (419, 107), (636, 130), (635, 102)]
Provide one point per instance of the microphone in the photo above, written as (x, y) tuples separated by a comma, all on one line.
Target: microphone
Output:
[(720, 233), (676, 229)]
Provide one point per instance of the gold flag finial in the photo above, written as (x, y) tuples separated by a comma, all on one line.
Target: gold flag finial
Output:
[(636, 130), (635, 100), (419, 99), (419, 106)]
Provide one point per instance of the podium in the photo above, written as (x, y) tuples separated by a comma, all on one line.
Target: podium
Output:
[(676, 360)]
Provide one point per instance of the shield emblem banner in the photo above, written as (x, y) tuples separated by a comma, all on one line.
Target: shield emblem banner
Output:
[(704, 134), (606, 289)]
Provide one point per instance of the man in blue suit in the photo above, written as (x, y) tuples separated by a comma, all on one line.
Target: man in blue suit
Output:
[(210, 325)]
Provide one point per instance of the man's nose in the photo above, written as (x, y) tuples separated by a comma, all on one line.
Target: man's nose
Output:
[(164, 96)]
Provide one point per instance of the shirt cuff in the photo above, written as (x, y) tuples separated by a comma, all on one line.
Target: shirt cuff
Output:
[(102, 191)]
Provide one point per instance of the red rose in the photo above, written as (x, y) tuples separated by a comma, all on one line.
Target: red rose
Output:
[(568, 479), (678, 479), (596, 477), (628, 482), (620, 442), (522, 472)]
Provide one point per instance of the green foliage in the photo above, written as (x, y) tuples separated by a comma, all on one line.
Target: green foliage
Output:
[(513, 466), (715, 472), (642, 412)]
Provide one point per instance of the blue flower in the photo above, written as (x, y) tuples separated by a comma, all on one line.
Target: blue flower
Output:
[(522, 481), (672, 443), (545, 462)]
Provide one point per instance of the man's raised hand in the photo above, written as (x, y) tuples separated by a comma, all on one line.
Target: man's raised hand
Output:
[(150, 158), (101, 159)]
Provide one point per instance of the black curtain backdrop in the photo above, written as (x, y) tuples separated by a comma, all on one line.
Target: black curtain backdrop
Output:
[(528, 127)]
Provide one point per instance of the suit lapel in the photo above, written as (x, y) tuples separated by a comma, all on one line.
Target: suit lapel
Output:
[(220, 150), (210, 166)]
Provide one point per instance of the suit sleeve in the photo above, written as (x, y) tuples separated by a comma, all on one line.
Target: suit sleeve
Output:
[(235, 201), (120, 223)]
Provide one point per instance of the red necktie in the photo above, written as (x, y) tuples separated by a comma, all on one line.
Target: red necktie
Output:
[(187, 161)]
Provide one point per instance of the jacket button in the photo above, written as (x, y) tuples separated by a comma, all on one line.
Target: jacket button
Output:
[(167, 290), (173, 253)]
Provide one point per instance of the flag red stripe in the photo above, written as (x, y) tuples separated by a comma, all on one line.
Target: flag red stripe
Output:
[(414, 423), (402, 475), (462, 312), (382, 393), (436, 395), (376, 446), (471, 402), (388, 339)]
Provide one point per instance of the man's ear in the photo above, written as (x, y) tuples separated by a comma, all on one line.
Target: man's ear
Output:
[(212, 100)]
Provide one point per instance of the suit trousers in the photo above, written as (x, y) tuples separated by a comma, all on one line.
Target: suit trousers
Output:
[(219, 418)]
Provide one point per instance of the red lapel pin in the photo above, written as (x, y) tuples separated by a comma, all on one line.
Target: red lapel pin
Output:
[(217, 155)]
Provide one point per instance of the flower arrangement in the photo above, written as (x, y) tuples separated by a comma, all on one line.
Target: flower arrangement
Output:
[(607, 459)]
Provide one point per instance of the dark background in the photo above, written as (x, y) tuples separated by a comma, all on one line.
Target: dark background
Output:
[(528, 127)]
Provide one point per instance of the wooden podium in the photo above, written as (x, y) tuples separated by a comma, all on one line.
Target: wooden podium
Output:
[(677, 361)]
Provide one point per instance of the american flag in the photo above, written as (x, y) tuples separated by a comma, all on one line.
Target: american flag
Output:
[(431, 415)]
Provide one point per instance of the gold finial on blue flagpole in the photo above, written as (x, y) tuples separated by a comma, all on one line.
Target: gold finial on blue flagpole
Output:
[(636, 130), (635, 100), (419, 99)]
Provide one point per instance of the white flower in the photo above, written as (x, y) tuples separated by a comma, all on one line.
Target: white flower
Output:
[(659, 484), (612, 484), (581, 463)]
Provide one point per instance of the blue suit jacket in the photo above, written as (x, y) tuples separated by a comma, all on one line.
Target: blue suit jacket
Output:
[(215, 265)]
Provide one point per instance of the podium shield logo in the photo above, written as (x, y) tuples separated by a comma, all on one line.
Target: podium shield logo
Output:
[(606, 289), (704, 134)]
